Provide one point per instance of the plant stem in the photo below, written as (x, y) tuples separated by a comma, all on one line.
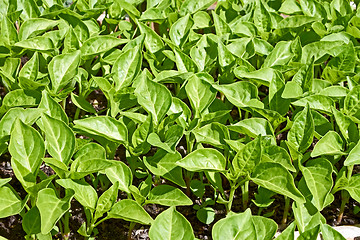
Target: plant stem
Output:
[(245, 194), (131, 228), (344, 200), (286, 210), (77, 113), (231, 198)]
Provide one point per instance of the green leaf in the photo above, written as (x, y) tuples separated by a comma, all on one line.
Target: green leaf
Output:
[(99, 44), (168, 196), (238, 93), (247, 158), (59, 138), (41, 44), (129, 210), (121, 174), (354, 187), (154, 98), (171, 225), (21, 98), (104, 126), (153, 42), (235, 226), (200, 93), (31, 221), (179, 31), (81, 103), (52, 108), (279, 155), (288, 233), (265, 228), (214, 134), (275, 177), (35, 26), (329, 233), (85, 194), (203, 159), (253, 127), (62, 69), (317, 175), (127, 67), (330, 144), (52, 208), (189, 6), (27, 150), (107, 200), (302, 131), (10, 203)]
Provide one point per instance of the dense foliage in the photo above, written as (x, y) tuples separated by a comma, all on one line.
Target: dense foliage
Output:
[(179, 103)]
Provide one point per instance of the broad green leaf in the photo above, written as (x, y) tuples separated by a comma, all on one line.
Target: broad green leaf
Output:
[(99, 44), (253, 127), (120, 173), (41, 44), (90, 150), (107, 200), (35, 26), (318, 102), (235, 226), (330, 144), (59, 138), (127, 67), (354, 187), (52, 208), (189, 6), (354, 156), (31, 221), (347, 127), (153, 41), (179, 31), (302, 131), (164, 164), (203, 159), (171, 225), (214, 134), (288, 233), (130, 210), (85, 194), (21, 98), (8, 31), (27, 150), (317, 175), (306, 219), (30, 70), (82, 167), (81, 103), (280, 55), (168, 196), (52, 108), (279, 155), (275, 177), (27, 116), (276, 89), (104, 126), (10, 202), (247, 158), (352, 103), (62, 69), (265, 227), (238, 93), (154, 98), (310, 233), (200, 93), (329, 233)]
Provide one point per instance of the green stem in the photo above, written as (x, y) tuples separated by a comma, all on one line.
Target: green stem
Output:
[(63, 103), (245, 194), (231, 198), (77, 113), (131, 228), (66, 229), (344, 200), (286, 210), (102, 220)]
